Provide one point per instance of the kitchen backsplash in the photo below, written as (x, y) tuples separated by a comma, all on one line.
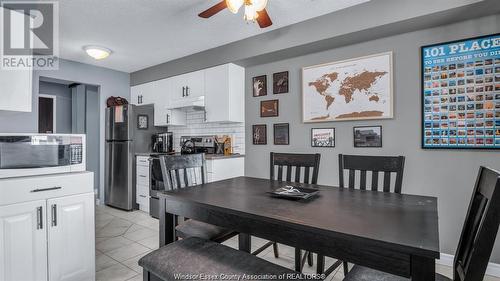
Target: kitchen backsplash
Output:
[(196, 126)]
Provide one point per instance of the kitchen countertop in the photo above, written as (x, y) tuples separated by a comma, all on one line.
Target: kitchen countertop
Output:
[(207, 156)]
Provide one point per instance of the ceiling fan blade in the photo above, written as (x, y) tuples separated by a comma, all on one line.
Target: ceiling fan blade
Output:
[(264, 20), (213, 10)]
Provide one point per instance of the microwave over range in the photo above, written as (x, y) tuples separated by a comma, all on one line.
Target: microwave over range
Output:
[(40, 154)]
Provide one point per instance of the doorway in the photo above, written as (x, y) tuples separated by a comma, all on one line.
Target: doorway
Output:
[(47, 114)]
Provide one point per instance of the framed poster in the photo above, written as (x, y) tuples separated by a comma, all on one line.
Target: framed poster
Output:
[(323, 137), (282, 134), (259, 134), (354, 89), (260, 86), (461, 94), (367, 136), (280, 83), (269, 108)]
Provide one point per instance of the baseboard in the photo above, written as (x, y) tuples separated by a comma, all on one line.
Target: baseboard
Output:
[(492, 270)]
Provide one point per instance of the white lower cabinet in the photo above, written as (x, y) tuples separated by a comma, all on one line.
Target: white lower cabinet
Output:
[(71, 238), (51, 237), (23, 241), (225, 168)]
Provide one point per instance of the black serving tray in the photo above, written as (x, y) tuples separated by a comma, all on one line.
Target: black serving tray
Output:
[(304, 193)]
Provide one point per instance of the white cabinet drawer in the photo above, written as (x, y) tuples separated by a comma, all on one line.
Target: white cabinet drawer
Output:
[(142, 175), (143, 161), (142, 196), (24, 189)]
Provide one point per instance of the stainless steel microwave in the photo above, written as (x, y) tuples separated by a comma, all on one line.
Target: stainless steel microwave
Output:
[(39, 154)]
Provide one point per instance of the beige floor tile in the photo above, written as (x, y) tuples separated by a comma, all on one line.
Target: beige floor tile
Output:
[(138, 277), (284, 261), (132, 263), (102, 262), (127, 252), (117, 272), (112, 244), (444, 270), (150, 242), (140, 234)]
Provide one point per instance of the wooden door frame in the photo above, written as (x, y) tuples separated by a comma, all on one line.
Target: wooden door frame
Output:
[(54, 109)]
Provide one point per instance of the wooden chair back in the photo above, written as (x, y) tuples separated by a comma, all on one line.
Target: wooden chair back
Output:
[(375, 165), (480, 228), (309, 163), (180, 171)]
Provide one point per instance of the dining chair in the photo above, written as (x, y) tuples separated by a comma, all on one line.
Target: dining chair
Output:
[(285, 164), (181, 171), (364, 164), (476, 242)]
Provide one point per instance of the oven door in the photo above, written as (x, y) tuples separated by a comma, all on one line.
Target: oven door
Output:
[(34, 155)]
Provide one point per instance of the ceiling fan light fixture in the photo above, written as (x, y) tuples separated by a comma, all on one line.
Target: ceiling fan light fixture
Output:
[(234, 5), (250, 13), (259, 5)]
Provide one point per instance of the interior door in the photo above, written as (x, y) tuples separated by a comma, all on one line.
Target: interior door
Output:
[(71, 238), (23, 242), (46, 115)]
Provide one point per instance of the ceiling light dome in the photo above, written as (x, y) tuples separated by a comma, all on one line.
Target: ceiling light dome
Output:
[(234, 5), (97, 52)]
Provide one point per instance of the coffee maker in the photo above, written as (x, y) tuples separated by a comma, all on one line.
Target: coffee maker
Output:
[(163, 143)]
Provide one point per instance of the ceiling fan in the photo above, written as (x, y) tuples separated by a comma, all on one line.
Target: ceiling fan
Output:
[(255, 10)]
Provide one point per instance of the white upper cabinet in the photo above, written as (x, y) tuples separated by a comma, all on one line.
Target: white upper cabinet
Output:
[(163, 116), (143, 93), (189, 85), (225, 93), (16, 90)]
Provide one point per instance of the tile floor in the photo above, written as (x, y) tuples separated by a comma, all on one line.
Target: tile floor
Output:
[(122, 238)]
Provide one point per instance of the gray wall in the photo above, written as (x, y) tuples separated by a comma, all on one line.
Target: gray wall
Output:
[(447, 174), (63, 104), (110, 82)]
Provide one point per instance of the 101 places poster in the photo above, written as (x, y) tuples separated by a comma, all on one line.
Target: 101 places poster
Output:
[(461, 94)]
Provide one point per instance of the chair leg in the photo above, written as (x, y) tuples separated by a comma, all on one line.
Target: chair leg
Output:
[(346, 268), (145, 275), (320, 267), (310, 258), (275, 248), (298, 260)]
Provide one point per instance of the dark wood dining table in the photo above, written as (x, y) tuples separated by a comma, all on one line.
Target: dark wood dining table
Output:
[(394, 233)]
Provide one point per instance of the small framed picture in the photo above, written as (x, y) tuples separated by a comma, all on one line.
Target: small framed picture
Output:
[(323, 137), (260, 86), (368, 136), (282, 134), (259, 134), (142, 122), (280, 83), (269, 108)]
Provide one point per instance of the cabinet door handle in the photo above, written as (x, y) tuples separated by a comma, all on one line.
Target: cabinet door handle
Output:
[(143, 196), (142, 176), (183, 91), (54, 214), (168, 118), (187, 91), (46, 189), (39, 218)]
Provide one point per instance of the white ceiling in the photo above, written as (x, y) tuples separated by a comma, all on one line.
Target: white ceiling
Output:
[(143, 33)]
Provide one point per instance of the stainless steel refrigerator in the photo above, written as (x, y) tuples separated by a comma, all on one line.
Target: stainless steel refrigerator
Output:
[(129, 130)]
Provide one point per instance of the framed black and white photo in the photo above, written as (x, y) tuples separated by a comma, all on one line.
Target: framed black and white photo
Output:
[(282, 134), (142, 122), (368, 136), (259, 134), (280, 83), (323, 137), (259, 86)]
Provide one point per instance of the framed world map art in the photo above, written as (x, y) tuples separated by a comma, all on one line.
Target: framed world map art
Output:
[(354, 89)]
